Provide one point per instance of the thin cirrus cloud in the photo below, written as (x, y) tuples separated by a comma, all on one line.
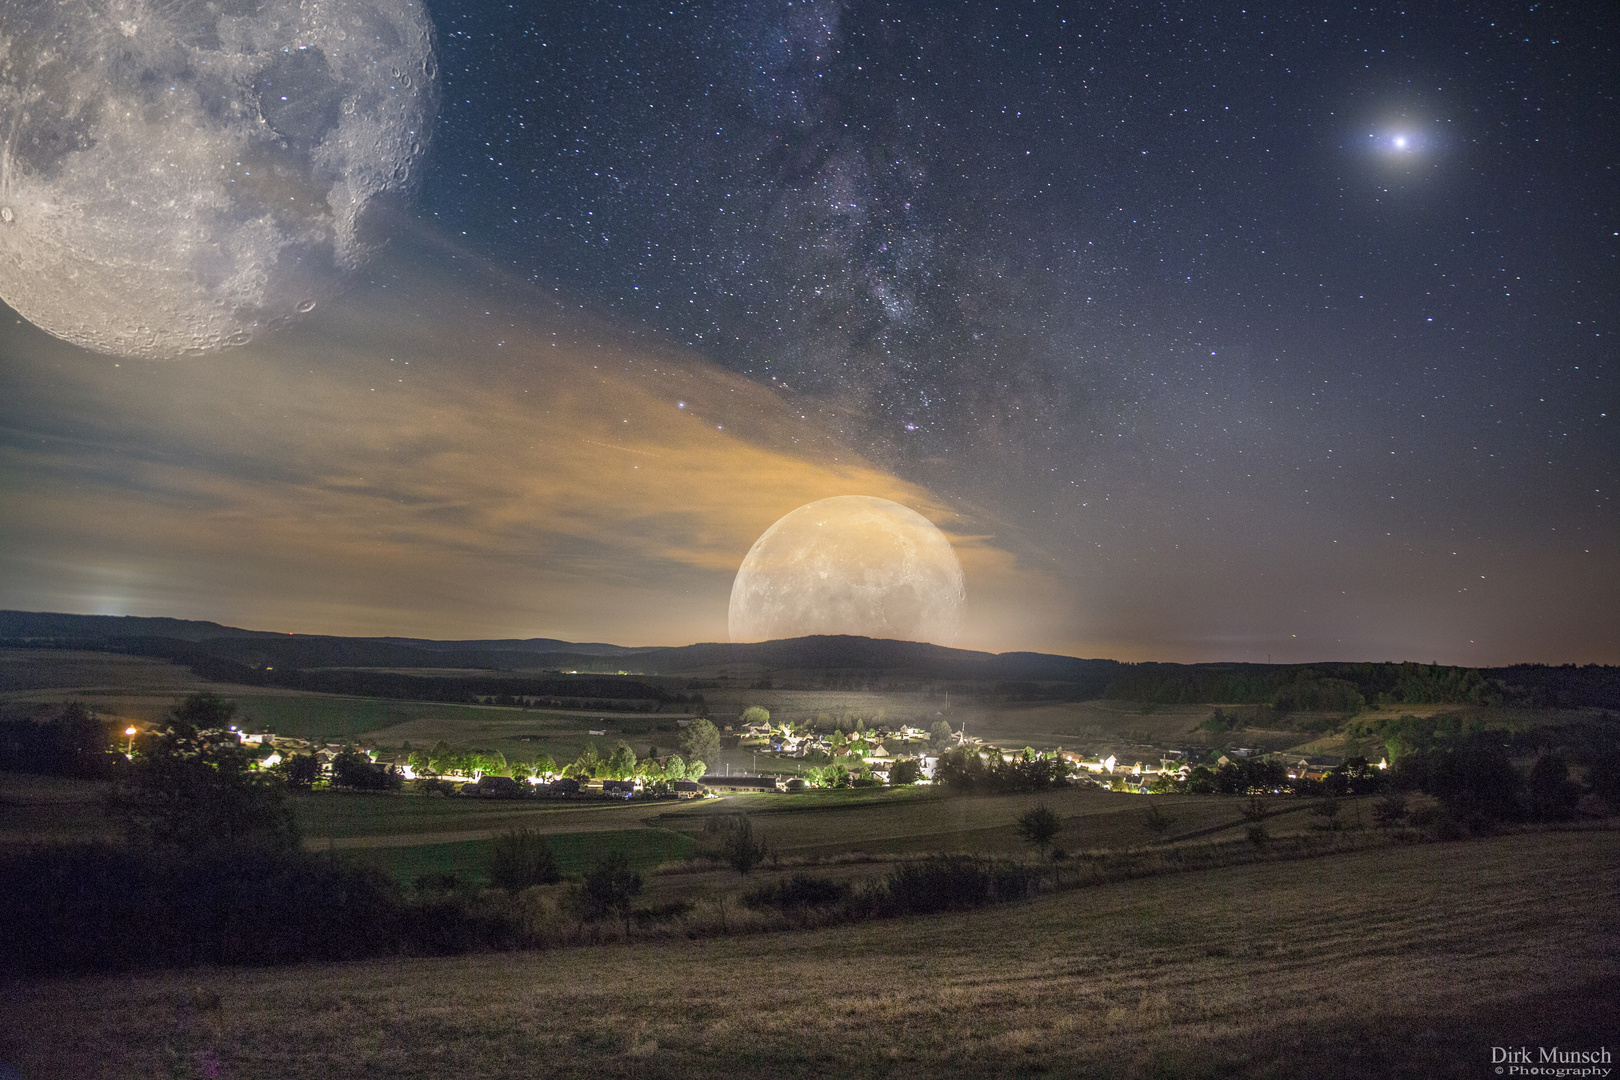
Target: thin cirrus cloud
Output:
[(423, 462)]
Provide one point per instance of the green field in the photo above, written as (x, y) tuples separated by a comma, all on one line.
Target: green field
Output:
[(1404, 962), (410, 834), (644, 849)]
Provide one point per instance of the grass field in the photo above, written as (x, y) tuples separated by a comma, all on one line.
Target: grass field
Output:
[(1404, 962), (643, 849), (410, 834)]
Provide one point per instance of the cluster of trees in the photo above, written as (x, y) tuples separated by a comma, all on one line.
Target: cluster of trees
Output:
[(700, 741), (1318, 688), (73, 741), (1476, 783), (963, 770), (1354, 777)]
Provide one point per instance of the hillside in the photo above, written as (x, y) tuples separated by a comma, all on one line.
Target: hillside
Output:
[(1411, 962), (460, 670)]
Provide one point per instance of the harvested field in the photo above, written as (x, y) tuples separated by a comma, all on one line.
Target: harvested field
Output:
[(1403, 962)]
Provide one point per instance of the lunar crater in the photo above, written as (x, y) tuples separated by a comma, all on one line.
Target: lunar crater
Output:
[(182, 177)]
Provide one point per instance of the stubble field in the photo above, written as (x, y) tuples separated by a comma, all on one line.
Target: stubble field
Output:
[(1410, 961)]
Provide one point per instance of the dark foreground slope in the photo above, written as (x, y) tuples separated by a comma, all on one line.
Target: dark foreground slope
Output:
[(1409, 962)]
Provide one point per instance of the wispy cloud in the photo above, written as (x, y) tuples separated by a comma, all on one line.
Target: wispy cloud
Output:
[(423, 460)]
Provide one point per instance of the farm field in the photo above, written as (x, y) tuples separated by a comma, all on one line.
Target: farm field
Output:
[(1404, 962), (132, 687), (409, 834)]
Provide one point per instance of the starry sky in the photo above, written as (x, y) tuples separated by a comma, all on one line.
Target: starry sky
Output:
[(1206, 331)]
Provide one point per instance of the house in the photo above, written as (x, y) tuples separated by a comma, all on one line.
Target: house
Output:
[(495, 787), (563, 786), (619, 789), (687, 789), (743, 783)]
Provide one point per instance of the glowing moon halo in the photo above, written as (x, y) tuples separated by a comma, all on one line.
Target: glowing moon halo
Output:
[(852, 564)]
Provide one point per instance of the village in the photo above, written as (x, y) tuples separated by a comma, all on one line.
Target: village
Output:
[(806, 759)]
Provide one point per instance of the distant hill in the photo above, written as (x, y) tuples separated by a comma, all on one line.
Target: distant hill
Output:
[(547, 667), (231, 654)]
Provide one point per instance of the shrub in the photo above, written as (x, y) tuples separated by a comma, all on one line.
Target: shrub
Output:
[(798, 891), (951, 883), (93, 907), (523, 857), (608, 889)]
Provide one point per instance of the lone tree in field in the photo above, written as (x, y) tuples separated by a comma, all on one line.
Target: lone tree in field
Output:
[(1157, 821), (1040, 826), (1256, 811), (756, 714), (741, 848)]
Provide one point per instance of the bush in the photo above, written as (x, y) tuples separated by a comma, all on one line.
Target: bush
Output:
[(1474, 780), (93, 907), (608, 889), (798, 891), (951, 883), (523, 858)]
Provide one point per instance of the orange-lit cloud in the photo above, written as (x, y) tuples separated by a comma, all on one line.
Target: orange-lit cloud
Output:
[(422, 462)]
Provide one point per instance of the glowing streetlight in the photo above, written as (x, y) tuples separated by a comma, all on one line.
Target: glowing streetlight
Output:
[(129, 746)]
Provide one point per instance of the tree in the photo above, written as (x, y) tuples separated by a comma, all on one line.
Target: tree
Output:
[(300, 771), (740, 847), (675, 768), (1552, 795), (543, 765), (589, 762), (443, 759), (193, 789), (1039, 826), (1157, 821), (701, 739), (1201, 781), (75, 742), (907, 771), (609, 888), (1256, 810), (756, 714), (351, 769), (1390, 810), (523, 858), (621, 764), (941, 734), (695, 769), (1328, 810)]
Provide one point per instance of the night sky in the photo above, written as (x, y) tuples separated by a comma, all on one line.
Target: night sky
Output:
[(1205, 331)]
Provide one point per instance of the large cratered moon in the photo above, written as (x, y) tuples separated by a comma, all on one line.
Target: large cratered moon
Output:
[(181, 176), (849, 565)]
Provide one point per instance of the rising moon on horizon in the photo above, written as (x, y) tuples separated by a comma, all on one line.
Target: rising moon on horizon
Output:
[(182, 177), (852, 564)]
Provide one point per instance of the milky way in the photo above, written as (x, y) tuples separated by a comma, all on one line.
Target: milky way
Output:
[(1311, 300)]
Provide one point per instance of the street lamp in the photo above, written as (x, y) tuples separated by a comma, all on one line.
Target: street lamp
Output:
[(129, 746)]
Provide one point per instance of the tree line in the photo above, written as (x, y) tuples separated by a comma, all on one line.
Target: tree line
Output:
[(1348, 687)]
